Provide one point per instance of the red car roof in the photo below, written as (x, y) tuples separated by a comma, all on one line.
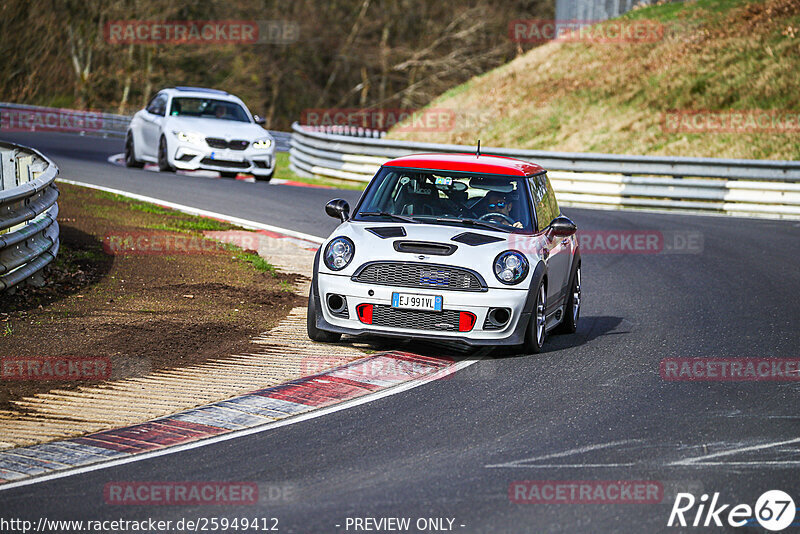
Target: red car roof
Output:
[(467, 163)]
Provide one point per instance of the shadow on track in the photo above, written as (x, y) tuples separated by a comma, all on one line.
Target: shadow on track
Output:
[(589, 328)]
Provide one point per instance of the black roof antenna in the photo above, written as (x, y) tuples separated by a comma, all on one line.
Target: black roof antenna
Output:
[(478, 153)]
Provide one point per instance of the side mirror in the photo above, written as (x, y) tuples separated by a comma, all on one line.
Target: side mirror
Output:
[(561, 227), (259, 120), (338, 208)]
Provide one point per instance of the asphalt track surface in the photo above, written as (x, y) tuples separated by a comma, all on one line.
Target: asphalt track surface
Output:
[(591, 407)]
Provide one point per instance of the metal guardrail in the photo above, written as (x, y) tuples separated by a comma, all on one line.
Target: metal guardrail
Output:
[(28, 210), (20, 117), (759, 188)]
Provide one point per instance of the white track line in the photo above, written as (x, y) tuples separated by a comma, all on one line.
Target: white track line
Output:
[(566, 466), (370, 397), (702, 459), (570, 452), (244, 223)]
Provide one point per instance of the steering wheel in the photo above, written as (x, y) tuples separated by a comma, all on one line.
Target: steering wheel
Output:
[(503, 216)]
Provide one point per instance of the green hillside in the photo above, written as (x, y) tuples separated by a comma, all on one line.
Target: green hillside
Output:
[(715, 55)]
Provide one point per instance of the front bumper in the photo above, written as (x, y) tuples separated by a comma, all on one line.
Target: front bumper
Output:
[(190, 157), (478, 303)]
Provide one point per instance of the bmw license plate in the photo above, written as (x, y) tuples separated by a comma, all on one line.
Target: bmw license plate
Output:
[(226, 156), (410, 301)]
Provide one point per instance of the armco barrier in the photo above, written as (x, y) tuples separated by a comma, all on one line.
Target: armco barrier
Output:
[(757, 188), (20, 117), (28, 211)]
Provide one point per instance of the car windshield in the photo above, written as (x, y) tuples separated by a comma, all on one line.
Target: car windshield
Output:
[(446, 197), (208, 108)]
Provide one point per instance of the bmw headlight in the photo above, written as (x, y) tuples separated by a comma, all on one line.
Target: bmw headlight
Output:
[(262, 144), (339, 253), (193, 138), (511, 267)]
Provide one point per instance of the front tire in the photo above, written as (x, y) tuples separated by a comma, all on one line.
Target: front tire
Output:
[(130, 154), (266, 178), (321, 336), (163, 160), (536, 332), (226, 174), (572, 310)]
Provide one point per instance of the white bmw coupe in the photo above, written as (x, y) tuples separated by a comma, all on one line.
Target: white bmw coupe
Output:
[(193, 128)]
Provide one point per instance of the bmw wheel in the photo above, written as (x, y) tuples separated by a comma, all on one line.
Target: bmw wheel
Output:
[(163, 160), (130, 154), (266, 178)]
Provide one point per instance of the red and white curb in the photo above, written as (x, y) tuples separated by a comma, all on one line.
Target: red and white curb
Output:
[(357, 382)]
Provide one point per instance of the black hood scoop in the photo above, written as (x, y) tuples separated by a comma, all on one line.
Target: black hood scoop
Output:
[(385, 232), (474, 239)]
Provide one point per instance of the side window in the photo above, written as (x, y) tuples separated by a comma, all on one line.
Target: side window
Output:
[(151, 105), (158, 106), (541, 200), (555, 211)]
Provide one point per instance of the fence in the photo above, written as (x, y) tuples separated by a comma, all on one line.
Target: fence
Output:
[(28, 210), (596, 10), (760, 188), (19, 117)]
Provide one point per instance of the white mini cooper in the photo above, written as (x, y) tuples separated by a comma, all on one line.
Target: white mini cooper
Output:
[(455, 247)]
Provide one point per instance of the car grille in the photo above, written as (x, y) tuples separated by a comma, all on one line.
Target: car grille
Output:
[(225, 163), (419, 275), (234, 144), (446, 320)]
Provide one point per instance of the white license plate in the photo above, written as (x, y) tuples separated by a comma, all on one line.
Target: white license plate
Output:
[(226, 156), (410, 301)]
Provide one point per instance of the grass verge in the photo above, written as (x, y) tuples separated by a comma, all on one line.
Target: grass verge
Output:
[(155, 307)]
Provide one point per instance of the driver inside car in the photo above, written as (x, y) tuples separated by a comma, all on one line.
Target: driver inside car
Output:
[(498, 203)]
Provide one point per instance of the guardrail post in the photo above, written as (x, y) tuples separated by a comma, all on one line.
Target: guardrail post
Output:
[(23, 169), (8, 170)]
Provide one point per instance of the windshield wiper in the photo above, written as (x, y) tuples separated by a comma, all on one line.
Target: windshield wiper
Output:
[(471, 222), (387, 214)]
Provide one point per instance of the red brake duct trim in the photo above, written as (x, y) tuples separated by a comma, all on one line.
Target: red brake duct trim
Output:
[(466, 321), (364, 312)]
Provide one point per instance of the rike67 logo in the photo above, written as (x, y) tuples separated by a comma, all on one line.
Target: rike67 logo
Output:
[(774, 510)]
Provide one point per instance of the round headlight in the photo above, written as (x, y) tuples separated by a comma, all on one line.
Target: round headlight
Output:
[(339, 253), (511, 267)]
